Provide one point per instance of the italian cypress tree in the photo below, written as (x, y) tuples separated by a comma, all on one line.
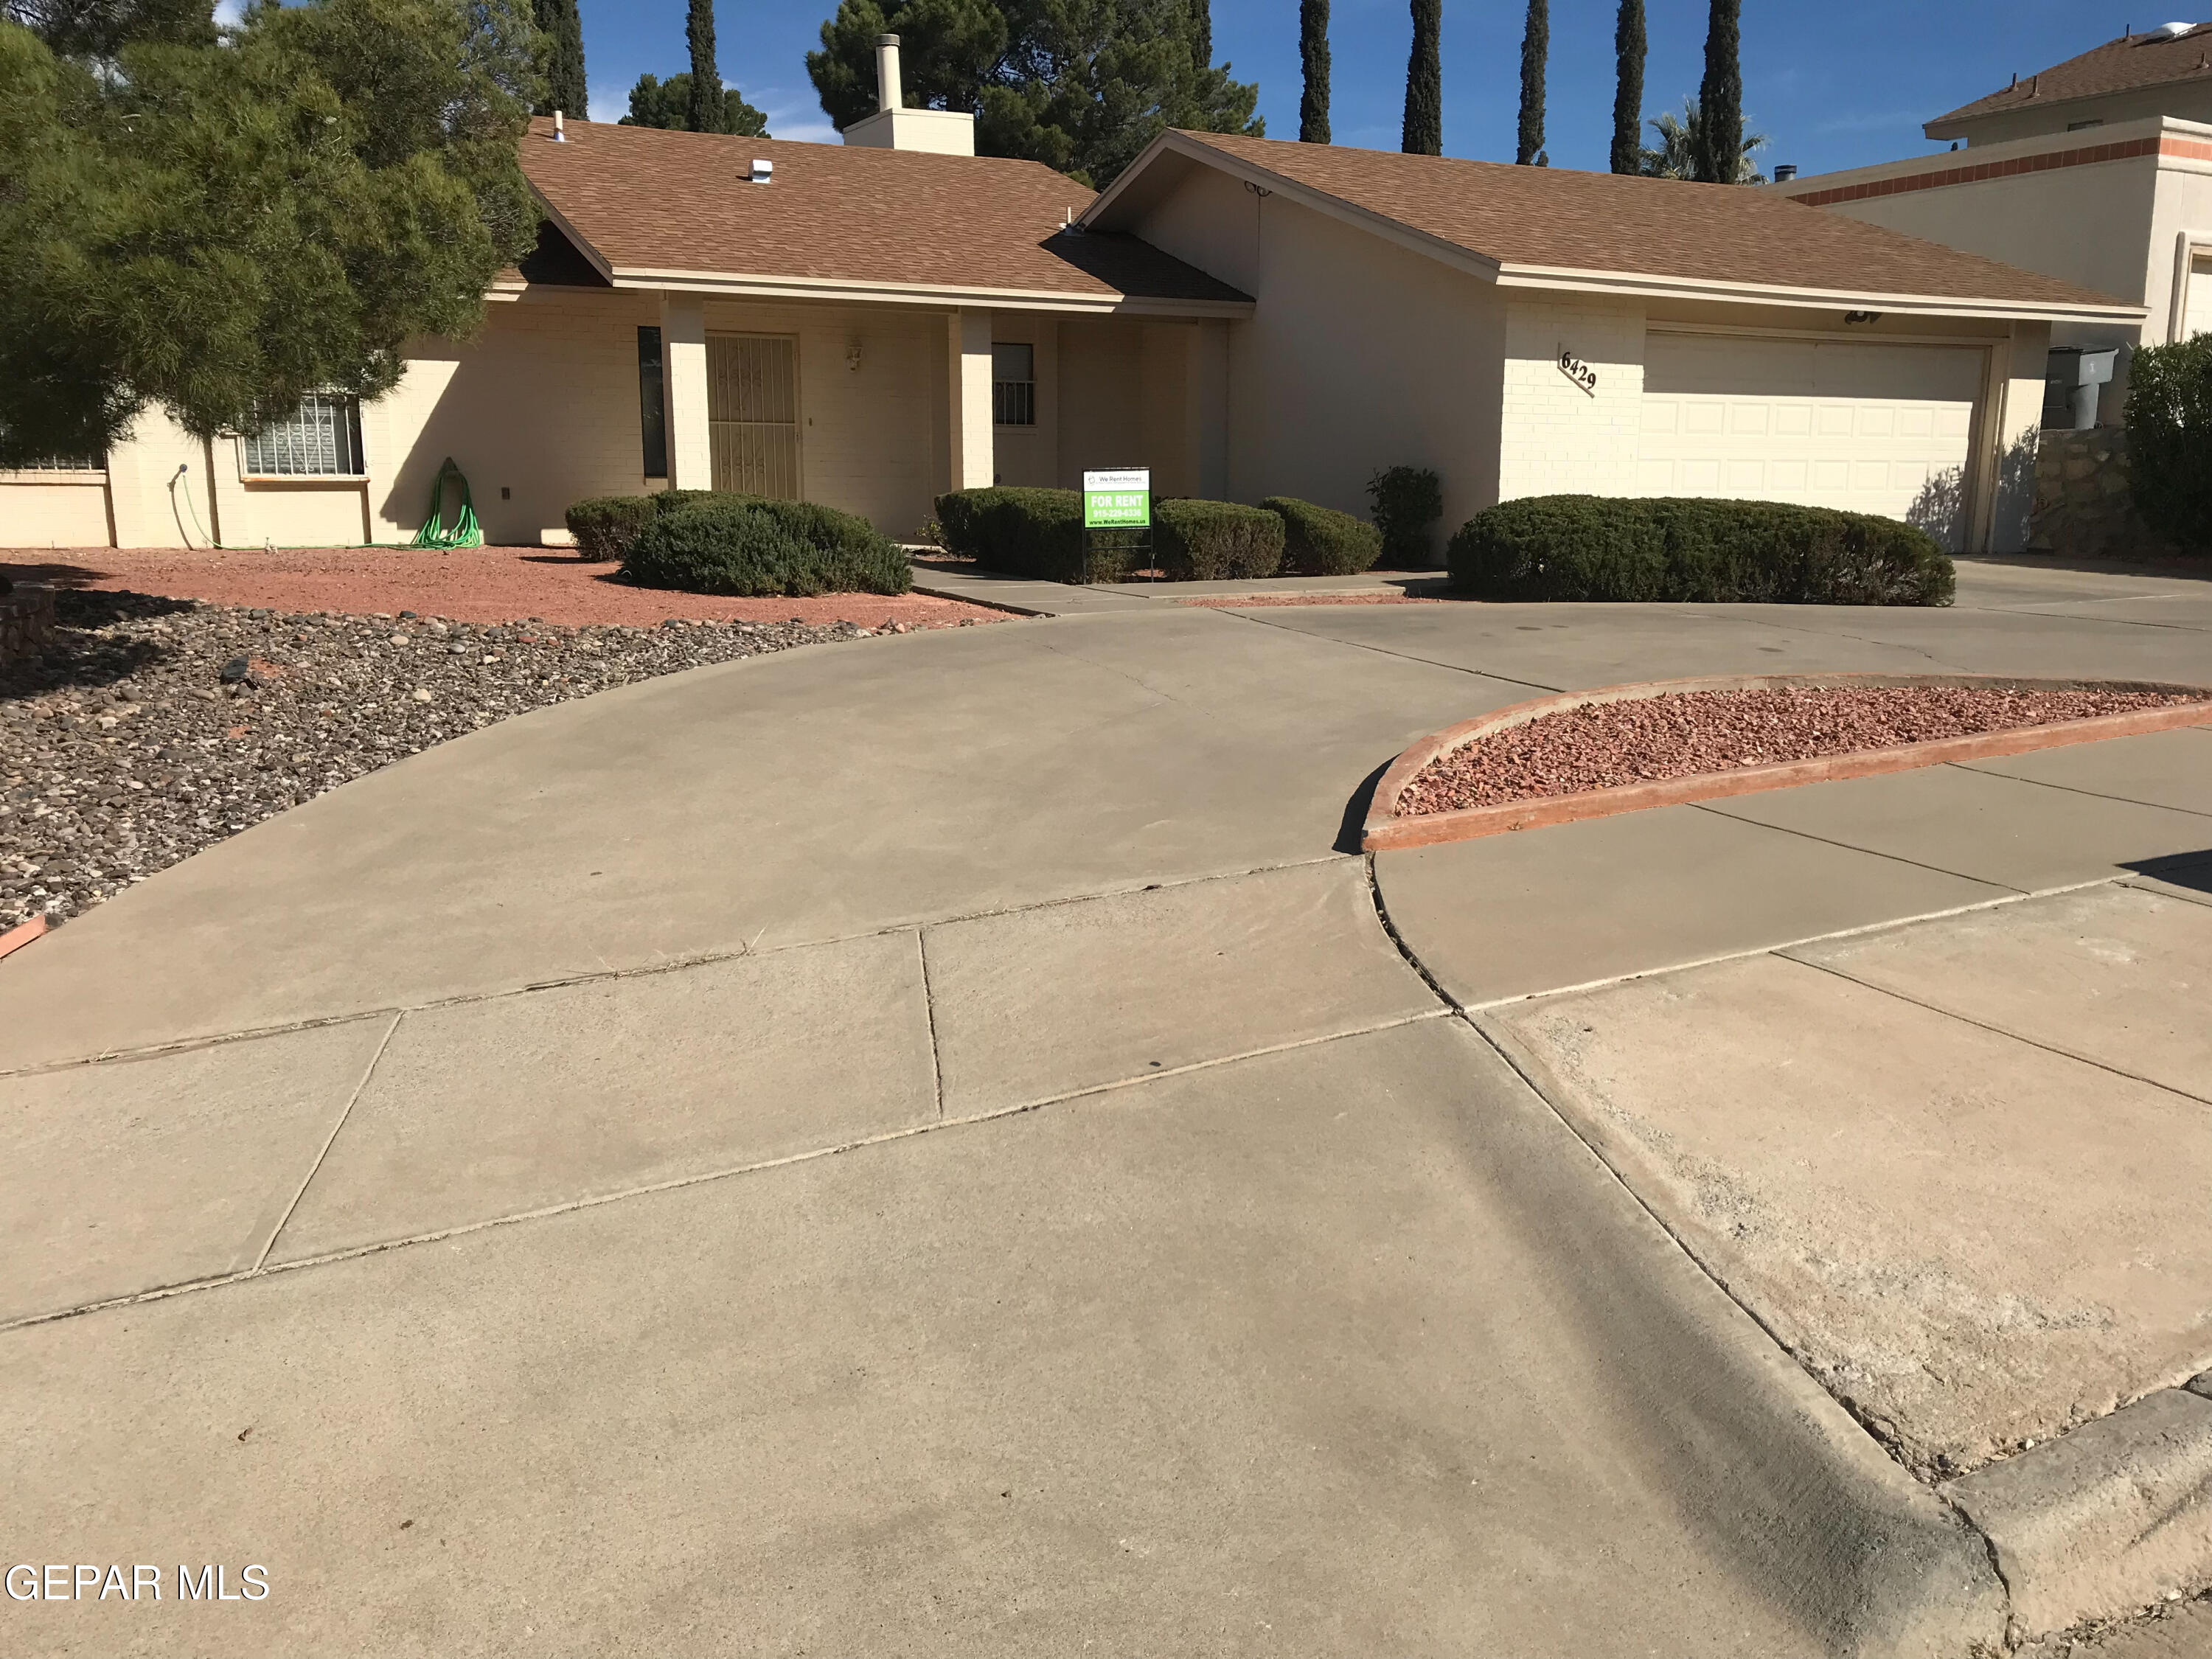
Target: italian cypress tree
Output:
[(1201, 34), (1424, 83), (1313, 57), (1720, 99), (705, 112), (1536, 45), (1629, 47), (564, 57)]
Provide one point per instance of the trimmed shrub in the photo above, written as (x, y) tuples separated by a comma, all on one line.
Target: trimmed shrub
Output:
[(1030, 532), (1605, 548), (1209, 541), (1406, 501), (2169, 420), (755, 547), (1320, 541), (605, 526)]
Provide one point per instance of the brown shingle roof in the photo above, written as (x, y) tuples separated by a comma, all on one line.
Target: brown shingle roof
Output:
[(2133, 61), (645, 199), (1553, 218)]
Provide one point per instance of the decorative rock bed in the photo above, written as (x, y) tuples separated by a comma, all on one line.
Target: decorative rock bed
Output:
[(1592, 754), (143, 729)]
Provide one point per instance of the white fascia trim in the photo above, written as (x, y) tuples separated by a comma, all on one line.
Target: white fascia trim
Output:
[(561, 224), (1918, 305), (935, 295), (1335, 207)]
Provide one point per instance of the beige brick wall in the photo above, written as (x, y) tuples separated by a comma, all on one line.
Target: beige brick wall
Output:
[(1557, 438)]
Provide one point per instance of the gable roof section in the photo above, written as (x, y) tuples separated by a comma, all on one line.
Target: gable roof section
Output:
[(654, 209), (1552, 228), (2128, 65)]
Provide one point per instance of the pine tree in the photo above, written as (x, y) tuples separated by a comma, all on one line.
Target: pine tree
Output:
[(704, 112), (563, 33), (1424, 83), (1202, 33), (1313, 57), (1720, 98), (1536, 45), (1629, 47)]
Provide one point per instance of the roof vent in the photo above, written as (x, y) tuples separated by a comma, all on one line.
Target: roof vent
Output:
[(2172, 31), (1785, 173), (764, 172)]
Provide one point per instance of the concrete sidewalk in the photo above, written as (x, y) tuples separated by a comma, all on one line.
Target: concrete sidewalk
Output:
[(931, 1148)]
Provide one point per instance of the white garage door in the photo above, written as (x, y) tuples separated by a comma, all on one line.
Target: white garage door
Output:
[(1872, 428)]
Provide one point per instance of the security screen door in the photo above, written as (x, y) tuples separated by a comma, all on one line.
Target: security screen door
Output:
[(752, 413)]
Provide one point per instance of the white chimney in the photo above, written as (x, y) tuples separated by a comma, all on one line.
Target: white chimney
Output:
[(887, 73)]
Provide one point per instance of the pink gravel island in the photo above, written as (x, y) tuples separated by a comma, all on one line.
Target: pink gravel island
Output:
[(1592, 754)]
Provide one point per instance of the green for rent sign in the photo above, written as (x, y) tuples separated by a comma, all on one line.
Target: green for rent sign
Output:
[(1118, 500)]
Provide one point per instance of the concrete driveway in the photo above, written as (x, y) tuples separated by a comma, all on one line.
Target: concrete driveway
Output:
[(931, 1147)]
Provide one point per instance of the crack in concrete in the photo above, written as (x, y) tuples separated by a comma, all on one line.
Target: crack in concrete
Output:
[(1402, 656), (674, 965), (329, 1141), (162, 1293)]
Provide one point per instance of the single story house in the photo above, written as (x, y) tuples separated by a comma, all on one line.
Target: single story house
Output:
[(868, 325), (2098, 171)]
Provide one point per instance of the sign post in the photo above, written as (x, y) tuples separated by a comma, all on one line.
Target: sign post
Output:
[(1117, 501)]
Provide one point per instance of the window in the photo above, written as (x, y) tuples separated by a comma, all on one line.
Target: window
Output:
[(1013, 383), (652, 412), (319, 439), (55, 463)]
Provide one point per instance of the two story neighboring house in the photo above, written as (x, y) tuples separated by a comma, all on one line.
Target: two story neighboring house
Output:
[(2098, 171)]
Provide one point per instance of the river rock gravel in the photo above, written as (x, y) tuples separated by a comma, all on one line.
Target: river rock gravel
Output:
[(152, 728), (1683, 733)]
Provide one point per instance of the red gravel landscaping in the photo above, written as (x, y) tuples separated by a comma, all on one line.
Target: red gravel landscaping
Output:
[(472, 585), (1685, 733)]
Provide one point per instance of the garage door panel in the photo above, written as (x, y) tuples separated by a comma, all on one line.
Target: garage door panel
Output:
[(1872, 427)]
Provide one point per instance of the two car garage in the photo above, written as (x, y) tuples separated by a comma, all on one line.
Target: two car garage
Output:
[(1866, 426)]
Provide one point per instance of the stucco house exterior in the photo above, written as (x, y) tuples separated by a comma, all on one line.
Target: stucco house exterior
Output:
[(868, 325), (2097, 170)]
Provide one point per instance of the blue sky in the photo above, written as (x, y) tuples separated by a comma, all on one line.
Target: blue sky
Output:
[(1836, 83)]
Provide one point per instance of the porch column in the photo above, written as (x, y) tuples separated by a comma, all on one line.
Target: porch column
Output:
[(1205, 409), (968, 347), (683, 375)]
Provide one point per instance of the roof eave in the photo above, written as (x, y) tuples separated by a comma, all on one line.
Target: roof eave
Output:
[(1959, 123), (1918, 305), (926, 295)]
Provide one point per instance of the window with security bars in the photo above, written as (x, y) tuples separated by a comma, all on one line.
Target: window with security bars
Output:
[(1013, 383), (321, 438), (55, 464)]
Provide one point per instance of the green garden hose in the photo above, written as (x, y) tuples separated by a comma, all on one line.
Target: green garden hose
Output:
[(466, 532)]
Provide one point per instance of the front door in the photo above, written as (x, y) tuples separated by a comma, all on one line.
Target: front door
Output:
[(752, 413)]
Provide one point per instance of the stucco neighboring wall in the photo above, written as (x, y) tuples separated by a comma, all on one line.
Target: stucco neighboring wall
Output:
[(2089, 224), (1558, 438)]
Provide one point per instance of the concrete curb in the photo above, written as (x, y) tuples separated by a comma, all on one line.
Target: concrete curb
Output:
[(2112, 1517), (21, 934), (1385, 830), (2107, 1519), (1876, 1563)]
